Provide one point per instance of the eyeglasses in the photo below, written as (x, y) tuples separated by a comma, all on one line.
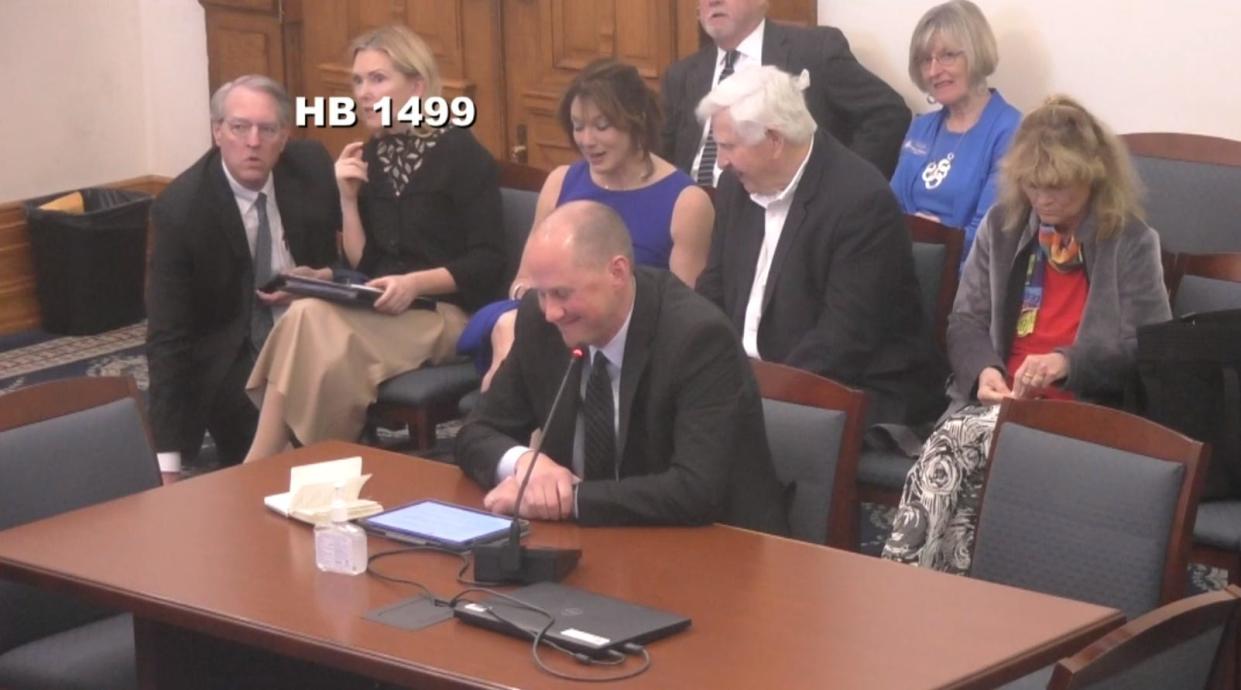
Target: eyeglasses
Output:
[(947, 59), (241, 129)]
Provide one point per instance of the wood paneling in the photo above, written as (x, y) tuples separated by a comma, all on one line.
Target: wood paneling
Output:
[(468, 59), (254, 37), (19, 307), (513, 57)]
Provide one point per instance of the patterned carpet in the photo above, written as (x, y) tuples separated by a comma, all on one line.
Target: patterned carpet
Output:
[(32, 357)]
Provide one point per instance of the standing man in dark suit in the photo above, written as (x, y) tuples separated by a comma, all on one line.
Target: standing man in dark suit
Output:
[(852, 104), (254, 207), (669, 428), (810, 258)]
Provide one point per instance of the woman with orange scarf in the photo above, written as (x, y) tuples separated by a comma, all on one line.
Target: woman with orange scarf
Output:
[(1062, 274)]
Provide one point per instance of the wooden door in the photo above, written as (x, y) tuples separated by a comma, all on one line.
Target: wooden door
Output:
[(463, 35), (547, 42)]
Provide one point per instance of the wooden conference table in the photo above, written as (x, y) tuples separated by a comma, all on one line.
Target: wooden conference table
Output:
[(205, 557)]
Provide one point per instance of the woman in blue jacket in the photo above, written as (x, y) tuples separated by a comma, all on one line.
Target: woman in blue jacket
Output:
[(950, 157)]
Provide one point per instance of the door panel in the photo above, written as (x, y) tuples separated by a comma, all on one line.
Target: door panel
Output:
[(469, 62)]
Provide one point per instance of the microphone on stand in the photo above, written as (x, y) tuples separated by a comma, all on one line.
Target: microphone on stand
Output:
[(509, 561)]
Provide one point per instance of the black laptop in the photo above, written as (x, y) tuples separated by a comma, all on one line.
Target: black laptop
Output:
[(585, 622)]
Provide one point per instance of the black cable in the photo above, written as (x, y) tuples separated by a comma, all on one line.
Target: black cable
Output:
[(372, 570), (616, 657)]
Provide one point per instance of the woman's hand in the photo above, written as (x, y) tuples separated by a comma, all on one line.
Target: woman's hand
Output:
[(399, 292), (350, 171), (1038, 372), (991, 387)]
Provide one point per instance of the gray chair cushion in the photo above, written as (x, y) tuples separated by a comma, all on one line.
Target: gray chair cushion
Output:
[(1184, 665), (929, 269), (1193, 206), (805, 445), (1219, 525), (1035, 681), (884, 468), (96, 656), (54, 466), (1198, 294), (73, 461), (468, 402), (429, 384), (517, 211), (1076, 519)]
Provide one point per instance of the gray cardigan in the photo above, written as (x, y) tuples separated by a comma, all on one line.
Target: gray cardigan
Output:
[(1126, 291)]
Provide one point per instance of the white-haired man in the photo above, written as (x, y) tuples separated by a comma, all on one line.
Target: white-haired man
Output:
[(810, 258), (846, 99)]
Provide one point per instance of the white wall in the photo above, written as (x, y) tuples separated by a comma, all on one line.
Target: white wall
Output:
[(96, 92), (1140, 65)]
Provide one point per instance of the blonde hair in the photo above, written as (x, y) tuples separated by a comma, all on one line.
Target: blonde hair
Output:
[(959, 22), (410, 55), (1062, 144)]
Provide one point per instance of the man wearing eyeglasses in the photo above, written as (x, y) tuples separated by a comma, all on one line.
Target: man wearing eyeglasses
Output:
[(252, 208)]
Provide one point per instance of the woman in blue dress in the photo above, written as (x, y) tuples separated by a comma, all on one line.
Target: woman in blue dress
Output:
[(612, 118), (950, 158)]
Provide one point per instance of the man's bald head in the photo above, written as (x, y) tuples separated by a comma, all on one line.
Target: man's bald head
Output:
[(579, 262), (591, 233)]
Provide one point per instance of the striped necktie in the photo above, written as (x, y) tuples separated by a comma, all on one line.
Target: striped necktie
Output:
[(706, 168), (598, 415)]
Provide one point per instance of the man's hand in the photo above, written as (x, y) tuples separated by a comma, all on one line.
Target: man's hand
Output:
[(1038, 372), (278, 297), (549, 495), (991, 387)]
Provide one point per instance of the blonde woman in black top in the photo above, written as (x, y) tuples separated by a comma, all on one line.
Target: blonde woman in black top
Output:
[(421, 216)]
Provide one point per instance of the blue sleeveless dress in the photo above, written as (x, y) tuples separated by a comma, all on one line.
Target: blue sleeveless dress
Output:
[(647, 213)]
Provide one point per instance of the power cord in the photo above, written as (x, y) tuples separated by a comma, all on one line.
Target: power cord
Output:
[(614, 657)]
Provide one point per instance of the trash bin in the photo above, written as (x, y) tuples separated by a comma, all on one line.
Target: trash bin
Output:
[(90, 266)]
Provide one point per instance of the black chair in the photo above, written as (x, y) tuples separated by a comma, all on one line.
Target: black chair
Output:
[(937, 257), (64, 445), (814, 430), (1191, 182), (423, 398), (1089, 503), (1210, 282)]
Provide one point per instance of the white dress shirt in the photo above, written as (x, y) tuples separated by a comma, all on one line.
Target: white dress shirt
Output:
[(749, 54), (776, 211)]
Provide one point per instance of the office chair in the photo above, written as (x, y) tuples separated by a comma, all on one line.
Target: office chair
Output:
[(65, 445), (1088, 503), (814, 430)]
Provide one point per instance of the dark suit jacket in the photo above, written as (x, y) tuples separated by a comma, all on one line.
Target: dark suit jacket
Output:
[(842, 297), (200, 288), (691, 439), (852, 104)]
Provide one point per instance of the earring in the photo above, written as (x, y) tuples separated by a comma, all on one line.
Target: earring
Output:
[(930, 99)]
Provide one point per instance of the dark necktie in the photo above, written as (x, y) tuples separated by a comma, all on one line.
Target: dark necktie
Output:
[(260, 316), (706, 168), (597, 414)]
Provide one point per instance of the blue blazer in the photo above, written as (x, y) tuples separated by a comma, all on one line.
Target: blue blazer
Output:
[(978, 158)]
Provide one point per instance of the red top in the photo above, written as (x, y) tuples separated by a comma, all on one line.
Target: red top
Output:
[(1064, 300)]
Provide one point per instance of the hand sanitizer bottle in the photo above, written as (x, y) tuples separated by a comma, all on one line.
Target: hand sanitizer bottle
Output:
[(340, 547)]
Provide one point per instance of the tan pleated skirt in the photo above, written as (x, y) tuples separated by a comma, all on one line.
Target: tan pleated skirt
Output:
[(328, 361)]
